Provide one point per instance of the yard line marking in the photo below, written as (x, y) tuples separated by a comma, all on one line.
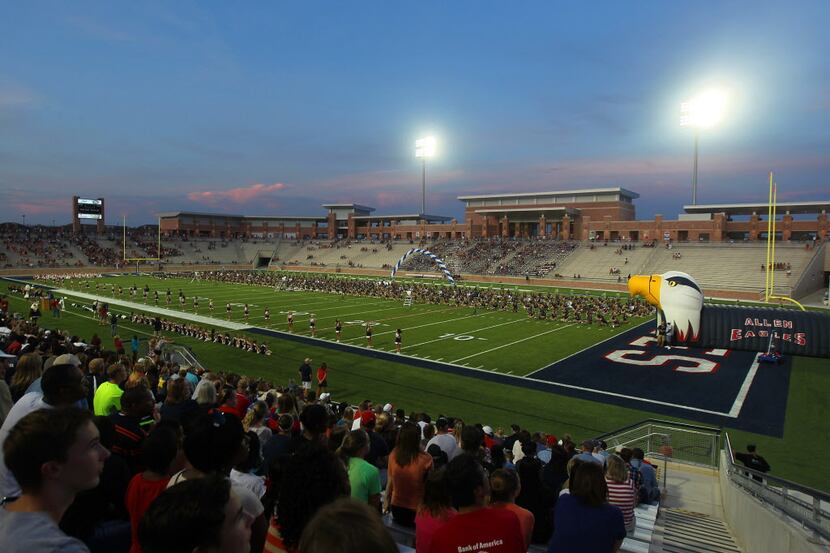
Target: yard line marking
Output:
[(467, 331), (512, 343), (747, 384), (419, 326), (440, 359), (509, 372)]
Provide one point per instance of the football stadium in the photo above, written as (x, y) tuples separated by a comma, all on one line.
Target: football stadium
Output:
[(493, 366)]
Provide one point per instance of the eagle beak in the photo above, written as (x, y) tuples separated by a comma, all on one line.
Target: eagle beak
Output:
[(647, 286)]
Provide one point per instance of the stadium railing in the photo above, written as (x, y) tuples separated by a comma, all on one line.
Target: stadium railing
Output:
[(807, 507), (666, 441), (180, 355)]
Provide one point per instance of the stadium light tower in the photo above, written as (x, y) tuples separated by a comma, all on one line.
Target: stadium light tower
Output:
[(702, 112), (424, 148)]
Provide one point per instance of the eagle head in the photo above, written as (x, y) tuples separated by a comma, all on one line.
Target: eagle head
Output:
[(678, 296)]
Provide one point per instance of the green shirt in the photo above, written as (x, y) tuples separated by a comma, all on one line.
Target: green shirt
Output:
[(364, 479), (107, 399)]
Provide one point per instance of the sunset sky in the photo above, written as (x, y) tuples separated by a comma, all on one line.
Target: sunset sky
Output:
[(273, 108)]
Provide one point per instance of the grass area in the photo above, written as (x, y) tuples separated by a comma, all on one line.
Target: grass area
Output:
[(355, 377)]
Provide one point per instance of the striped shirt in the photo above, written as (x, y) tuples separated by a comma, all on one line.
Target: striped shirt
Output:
[(624, 497)]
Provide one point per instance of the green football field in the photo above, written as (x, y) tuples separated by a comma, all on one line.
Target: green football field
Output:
[(501, 341), (515, 344)]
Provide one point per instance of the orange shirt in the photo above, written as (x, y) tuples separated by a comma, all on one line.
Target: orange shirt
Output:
[(526, 519), (408, 481)]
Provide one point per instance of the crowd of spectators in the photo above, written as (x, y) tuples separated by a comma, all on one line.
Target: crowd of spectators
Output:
[(110, 452)]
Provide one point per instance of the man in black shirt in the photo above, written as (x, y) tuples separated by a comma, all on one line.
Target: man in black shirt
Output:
[(752, 460), (305, 374)]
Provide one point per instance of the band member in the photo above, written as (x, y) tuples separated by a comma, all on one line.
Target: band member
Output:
[(368, 334), (267, 314), (338, 328), (195, 304), (246, 311), (181, 301), (312, 325), (169, 296), (210, 305), (156, 296), (146, 292), (290, 321), (398, 341), (228, 311)]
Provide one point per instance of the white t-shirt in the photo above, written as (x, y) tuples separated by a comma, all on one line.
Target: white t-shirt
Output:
[(250, 481), (250, 502), (447, 444), (29, 403)]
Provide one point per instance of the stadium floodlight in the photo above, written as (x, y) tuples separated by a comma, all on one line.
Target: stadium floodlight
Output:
[(424, 148), (702, 112)]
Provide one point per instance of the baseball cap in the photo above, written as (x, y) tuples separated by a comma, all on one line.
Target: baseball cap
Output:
[(387, 408), (325, 396), (4, 355), (488, 430), (67, 359), (588, 443)]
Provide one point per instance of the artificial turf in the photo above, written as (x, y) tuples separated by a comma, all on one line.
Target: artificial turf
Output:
[(354, 376)]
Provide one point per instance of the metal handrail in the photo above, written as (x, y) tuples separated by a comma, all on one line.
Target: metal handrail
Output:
[(776, 492)]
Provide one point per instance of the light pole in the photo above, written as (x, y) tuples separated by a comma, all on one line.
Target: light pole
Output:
[(424, 148), (701, 112), (24, 218)]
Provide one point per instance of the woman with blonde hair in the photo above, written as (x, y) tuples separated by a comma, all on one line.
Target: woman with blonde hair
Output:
[(28, 369), (621, 490), (254, 421)]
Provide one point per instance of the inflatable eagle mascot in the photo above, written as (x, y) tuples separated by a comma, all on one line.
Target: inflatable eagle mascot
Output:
[(680, 306)]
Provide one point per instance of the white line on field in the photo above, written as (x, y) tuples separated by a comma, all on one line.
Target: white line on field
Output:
[(750, 377), (467, 331), (583, 349), (421, 326), (512, 343)]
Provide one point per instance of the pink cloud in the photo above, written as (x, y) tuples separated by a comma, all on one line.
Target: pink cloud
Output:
[(240, 195), (43, 206)]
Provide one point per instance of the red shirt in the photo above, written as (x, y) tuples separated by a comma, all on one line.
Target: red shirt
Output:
[(242, 403), (321, 374), (140, 494), (487, 529)]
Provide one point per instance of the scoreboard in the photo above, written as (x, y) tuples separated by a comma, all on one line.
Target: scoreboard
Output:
[(90, 209)]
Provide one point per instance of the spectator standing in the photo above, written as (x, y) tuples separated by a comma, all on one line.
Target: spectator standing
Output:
[(533, 495), (322, 378), (650, 488), (54, 454), (752, 460), (584, 520), (346, 526), (313, 478), (200, 515), (28, 369), (434, 511), (159, 455), (108, 395), (475, 523), (5, 395), (364, 478), (63, 385), (305, 374), (504, 487), (621, 490), (408, 468), (443, 438)]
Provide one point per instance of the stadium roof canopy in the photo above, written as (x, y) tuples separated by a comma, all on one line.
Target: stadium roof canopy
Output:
[(536, 211), (416, 216), (555, 194), (762, 208)]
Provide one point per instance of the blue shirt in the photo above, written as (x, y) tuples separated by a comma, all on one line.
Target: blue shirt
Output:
[(585, 529)]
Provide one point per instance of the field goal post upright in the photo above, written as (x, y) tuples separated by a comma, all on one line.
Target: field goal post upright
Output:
[(138, 260)]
